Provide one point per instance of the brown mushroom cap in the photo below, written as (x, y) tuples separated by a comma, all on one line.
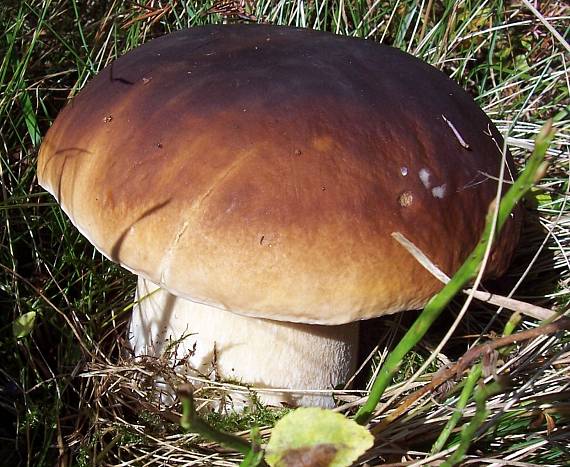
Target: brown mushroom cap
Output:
[(262, 170)]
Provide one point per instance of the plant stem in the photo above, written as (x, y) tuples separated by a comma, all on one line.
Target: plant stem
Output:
[(192, 422), (466, 392), (469, 431), (470, 383)]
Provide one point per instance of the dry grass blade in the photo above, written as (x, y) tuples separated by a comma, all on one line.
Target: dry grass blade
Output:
[(548, 26), (446, 374)]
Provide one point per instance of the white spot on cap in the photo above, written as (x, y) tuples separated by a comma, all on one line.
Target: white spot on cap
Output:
[(438, 191), (404, 171), (424, 177)]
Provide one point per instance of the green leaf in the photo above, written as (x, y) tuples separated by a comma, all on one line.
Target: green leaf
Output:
[(537, 197), (313, 436), (24, 324), (30, 118)]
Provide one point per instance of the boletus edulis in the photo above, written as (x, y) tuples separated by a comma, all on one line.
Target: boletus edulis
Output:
[(252, 176)]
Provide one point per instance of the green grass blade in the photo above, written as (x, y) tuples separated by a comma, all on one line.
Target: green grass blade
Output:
[(254, 457)]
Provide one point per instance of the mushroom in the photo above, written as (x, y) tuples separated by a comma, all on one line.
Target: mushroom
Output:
[(251, 176)]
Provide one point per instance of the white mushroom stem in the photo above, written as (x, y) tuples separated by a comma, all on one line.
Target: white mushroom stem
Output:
[(259, 352)]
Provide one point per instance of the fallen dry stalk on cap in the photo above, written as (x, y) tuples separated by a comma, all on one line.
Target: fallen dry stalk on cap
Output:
[(528, 309)]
